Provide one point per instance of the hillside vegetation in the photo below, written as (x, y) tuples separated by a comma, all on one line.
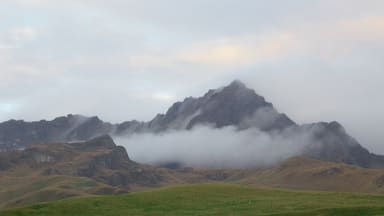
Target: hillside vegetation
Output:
[(212, 199), (34, 189)]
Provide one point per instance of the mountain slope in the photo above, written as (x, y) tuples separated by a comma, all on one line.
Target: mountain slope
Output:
[(99, 159), (310, 174), (332, 143), (30, 189)]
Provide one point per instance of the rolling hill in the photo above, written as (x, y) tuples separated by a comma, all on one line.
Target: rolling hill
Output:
[(309, 174)]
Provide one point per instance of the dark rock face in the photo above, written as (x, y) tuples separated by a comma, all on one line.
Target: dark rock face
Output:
[(233, 105), (19, 134), (228, 106), (332, 143), (129, 127), (99, 159)]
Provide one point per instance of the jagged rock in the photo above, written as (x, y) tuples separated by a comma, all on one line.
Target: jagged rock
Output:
[(19, 134), (99, 158), (332, 143), (230, 105)]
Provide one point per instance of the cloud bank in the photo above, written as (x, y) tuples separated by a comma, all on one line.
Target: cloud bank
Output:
[(204, 146)]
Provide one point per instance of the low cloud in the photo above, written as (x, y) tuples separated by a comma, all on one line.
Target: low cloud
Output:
[(215, 148)]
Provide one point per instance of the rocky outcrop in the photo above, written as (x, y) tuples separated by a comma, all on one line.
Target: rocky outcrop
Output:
[(332, 143), (100, 159), (20, 134)]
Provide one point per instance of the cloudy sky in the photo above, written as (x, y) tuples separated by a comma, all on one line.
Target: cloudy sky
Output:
[(317, 60)]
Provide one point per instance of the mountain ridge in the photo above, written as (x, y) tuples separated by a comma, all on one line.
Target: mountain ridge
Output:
[(232, 105)]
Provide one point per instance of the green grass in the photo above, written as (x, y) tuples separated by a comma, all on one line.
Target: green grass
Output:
[(212, 199), (26, 191)]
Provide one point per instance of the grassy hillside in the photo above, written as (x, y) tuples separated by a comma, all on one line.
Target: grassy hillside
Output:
[(310, 174), (33, 189), (213, 199), (25, 186)]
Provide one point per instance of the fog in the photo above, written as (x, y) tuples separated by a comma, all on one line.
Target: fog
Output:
[(204, 146)]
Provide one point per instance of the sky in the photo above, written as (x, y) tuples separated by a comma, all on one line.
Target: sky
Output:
[(318, 60)]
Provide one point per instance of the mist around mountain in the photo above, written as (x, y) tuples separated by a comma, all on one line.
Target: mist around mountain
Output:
[(228, 127), (230, 134)]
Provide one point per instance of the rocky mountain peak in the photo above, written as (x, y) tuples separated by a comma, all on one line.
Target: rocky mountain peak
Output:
[(237, 84), (230, 105), (236, 89)]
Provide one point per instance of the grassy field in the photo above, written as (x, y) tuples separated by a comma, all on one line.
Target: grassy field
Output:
[(213, 199)]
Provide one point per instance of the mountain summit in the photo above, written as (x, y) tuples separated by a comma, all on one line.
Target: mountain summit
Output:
[(233, 105), (226, 106)]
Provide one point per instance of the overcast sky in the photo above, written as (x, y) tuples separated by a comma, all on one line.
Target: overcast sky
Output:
[(318, 60)]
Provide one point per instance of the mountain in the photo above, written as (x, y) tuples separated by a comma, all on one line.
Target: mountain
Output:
[(233, 105), (222, 107), (20, 134), (332, 143), (99, 159), (226, 106)]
